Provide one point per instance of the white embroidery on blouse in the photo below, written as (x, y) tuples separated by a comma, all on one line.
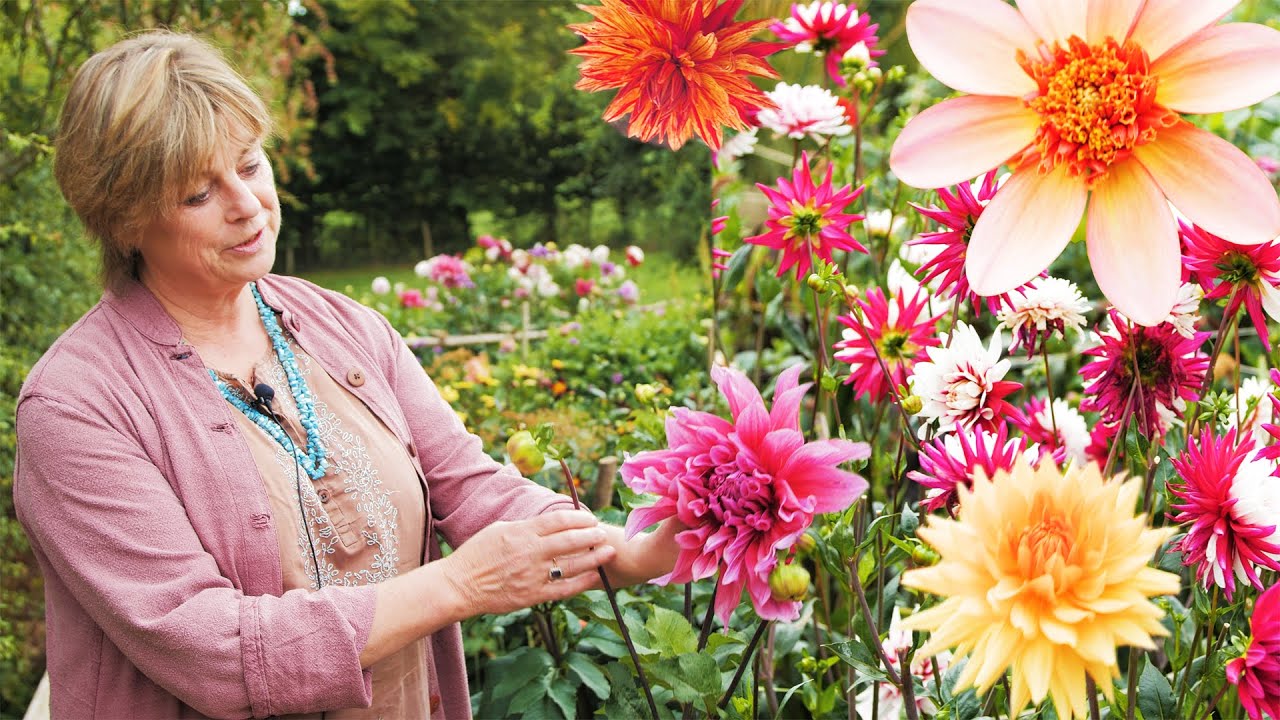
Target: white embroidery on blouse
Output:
[(377, 519)]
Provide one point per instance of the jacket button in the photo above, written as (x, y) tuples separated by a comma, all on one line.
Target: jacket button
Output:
[(324, 495), (355, 376), (435, 702)]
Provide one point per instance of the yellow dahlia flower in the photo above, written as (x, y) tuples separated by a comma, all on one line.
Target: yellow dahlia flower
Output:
[(1044, 574)]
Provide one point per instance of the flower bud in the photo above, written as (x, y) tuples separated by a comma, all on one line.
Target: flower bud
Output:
[(806, 542), (525, 453), (815, 281), (874, 74), (646, 392), (924, 556), (851, 293), (789, 581), (912, 404)]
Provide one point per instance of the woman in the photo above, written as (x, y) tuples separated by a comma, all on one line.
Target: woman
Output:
[(209, 553)]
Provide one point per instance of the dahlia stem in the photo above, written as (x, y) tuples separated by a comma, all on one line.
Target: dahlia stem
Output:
[(1048, 382), (548, 634), (856, 315), (1091, 689), (1121, 432), (908, 686), (1131, 692), (743, 665), (688, 601), (705, 634), (1186, 670), (613, 603), (1224, 328), (1214, 703), (871, 625)]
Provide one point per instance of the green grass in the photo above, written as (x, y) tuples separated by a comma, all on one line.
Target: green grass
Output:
[(659, 278)]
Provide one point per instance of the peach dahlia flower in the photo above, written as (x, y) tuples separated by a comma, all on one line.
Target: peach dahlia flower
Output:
[(1083, 98)]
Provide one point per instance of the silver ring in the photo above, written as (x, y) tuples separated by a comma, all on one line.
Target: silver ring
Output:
[(556, 573)]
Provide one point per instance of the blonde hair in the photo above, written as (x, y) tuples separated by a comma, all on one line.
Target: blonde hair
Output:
[(142, 124)]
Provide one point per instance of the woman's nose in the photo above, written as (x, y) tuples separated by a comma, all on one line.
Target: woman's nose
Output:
[(242, 201)]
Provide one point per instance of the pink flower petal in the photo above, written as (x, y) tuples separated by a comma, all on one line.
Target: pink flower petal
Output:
[(1161, 24), (1055, 20), (1213, 183), (1221, 68), (1026, 226), (961, 138), (972, 46), (737, 388), (1111, 18), (1131, 226)]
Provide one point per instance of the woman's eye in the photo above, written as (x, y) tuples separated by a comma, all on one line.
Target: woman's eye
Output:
[(197, 199), (251, 169)]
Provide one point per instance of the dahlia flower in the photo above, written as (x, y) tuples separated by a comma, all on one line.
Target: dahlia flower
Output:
[(1034, 313), (1253, 408), (1247, 274), (1082, 98), (1233, 506), (899, 331), (828, 29), (449, 271), (634, 255), (745, 489), (804, 110), (682, 66), (805, 220), (1256, 675), (962, 384), (1169, 369), (962, 206), (950, 462), (1045, 574), (1068, 443), (380, 285)]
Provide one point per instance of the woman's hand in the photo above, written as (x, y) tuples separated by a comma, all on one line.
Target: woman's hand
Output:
[(645, 556), (508, 565)]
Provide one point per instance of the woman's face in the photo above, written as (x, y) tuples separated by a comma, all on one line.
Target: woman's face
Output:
[(223, 232)]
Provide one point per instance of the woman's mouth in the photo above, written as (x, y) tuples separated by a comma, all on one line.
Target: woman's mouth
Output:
[(251, 245)]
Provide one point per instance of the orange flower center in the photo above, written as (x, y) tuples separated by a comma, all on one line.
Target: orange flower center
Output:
[(1043, 552), (1096, 103)]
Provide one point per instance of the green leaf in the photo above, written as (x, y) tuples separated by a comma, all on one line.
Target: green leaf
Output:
[(526, 664), (531, 693), (692, 678), (737, 267), (590, 675), (564, 694), (626, 700), (855, 653), (1155, 694), (672, 634)]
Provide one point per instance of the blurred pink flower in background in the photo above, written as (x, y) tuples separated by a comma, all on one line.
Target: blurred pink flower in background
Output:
[(828, 29)]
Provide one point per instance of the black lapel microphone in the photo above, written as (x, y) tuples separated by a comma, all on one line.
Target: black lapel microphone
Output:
[(264, 394)]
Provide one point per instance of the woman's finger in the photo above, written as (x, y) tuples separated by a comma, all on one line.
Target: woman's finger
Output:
[(560, 520), (572, 566), (571, 542)]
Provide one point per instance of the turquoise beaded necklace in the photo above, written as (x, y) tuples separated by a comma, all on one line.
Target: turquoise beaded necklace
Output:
[(314, 459)]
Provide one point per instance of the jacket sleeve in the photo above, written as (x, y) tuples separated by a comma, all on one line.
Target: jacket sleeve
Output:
[(469, 490), (108, 523)]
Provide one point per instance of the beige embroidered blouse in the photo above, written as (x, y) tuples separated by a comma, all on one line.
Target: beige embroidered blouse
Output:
[(366, 516)]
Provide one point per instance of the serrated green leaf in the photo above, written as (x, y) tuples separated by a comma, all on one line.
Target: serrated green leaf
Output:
[(855, 653), (626, 700), (671, 633), (1155, 694), (737, 268), (586, 671), (526, 665), (531, 692), (563, 692)]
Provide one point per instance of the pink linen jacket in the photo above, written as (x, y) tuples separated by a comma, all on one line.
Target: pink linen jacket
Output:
[(155, 535)]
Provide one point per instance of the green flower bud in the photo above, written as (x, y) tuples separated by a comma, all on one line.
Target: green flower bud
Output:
[(524, 452), (924, 556), (912, 404), (789, 581), (646, 392), (816, 283), (806, 542)]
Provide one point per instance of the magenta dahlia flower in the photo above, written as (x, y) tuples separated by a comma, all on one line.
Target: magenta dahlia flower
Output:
[(745, 489), (1070, 441), (1169, 370), (899, 331), (1256, 675), (830, 29), (962, 206), (806, 220), (950, 461), (1247, 274), (1228, 496)]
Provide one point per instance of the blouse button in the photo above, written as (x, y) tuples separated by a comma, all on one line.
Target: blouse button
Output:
[(355, 376), (324, 495), (435, 702)]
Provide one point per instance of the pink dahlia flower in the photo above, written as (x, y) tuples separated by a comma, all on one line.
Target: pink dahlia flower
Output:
[(1247, 274), (830, 29), (899, 331), (1256, 675), (1169, 370), (449, 271), (1233, 505), (1034, 313), (962, 384), (806, 220), (1062, 433), (950, 461), (745, 489), (962, 206), (1083, 98)]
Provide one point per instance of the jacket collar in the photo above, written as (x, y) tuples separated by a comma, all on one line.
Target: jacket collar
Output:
[(140, 308)]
